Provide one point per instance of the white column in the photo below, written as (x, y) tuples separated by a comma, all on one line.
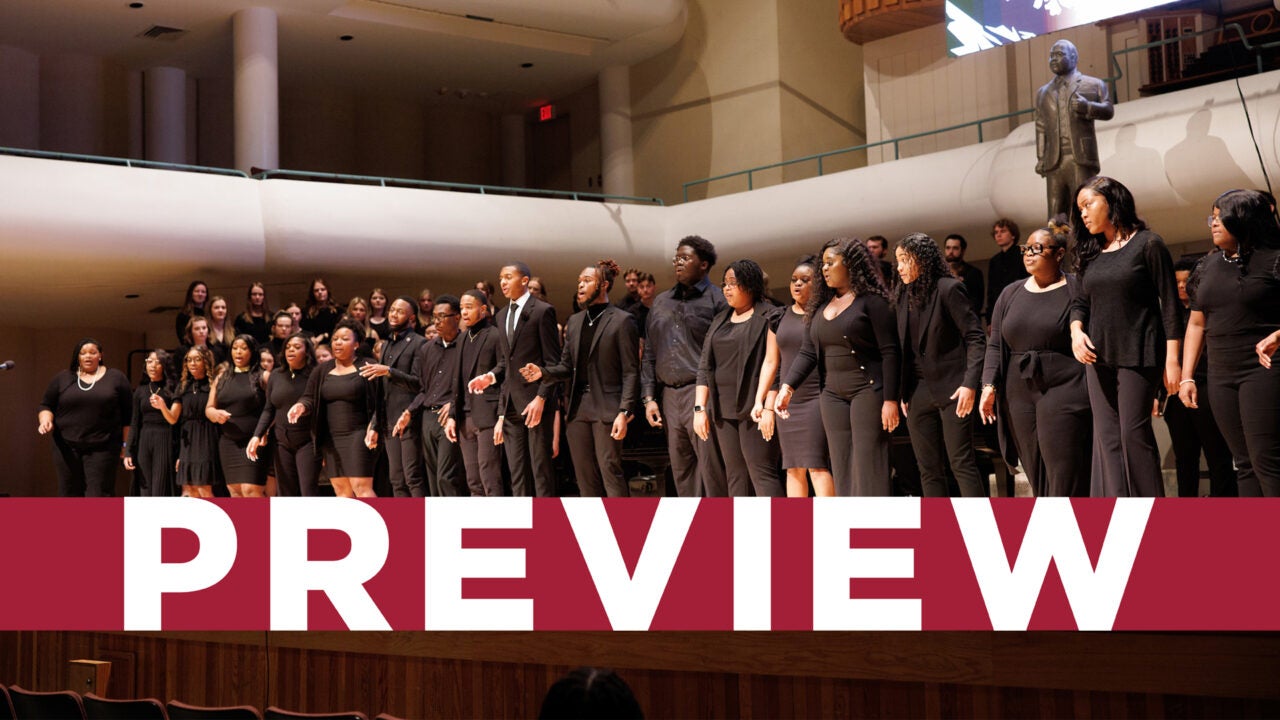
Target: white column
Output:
[(165, 114), (513, 150), (257, 92), (616, 159), (20, 88)]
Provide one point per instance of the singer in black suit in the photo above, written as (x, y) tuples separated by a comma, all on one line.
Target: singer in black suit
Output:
[(943, 348), (399, 366), (529, 334), (475, 420), (600, 366)]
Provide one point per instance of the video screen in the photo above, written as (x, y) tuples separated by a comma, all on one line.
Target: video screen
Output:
[(974, 25)]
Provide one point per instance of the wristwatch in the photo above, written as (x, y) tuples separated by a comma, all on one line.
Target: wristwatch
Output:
[(699, 408)]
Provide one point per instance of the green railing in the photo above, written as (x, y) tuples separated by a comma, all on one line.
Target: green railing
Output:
[(438, 185), (127, 162), (896, 142)]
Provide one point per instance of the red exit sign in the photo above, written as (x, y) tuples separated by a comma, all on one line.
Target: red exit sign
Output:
[(546, 112)]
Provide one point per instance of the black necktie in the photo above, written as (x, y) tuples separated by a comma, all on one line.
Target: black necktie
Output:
[(512, 309)]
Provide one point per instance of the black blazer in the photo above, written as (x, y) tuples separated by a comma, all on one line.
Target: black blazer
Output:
[(613, 365), (952, 345), (750, 353), (488, 358), (311, 400), (402, 384), (537, 341)]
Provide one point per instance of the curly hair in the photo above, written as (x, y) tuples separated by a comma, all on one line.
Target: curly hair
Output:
[(205, 354), (864, 276), (226, 368), (606, 271), (750, 278), (702, 246), (930, 264), (1122, 213)]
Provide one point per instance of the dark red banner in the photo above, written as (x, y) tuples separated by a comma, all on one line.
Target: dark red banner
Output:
[(583, 564)]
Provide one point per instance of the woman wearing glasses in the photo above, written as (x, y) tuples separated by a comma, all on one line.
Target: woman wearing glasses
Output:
[(1235, 300), (1032, 373), (1127, 329)]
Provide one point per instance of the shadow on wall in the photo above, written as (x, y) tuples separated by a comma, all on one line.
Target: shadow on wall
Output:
[(1201, 159)]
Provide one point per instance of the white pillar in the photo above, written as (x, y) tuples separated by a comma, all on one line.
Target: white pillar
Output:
[(165, 114), (20, 88), (616, 159), (257, 92), (513, 158)]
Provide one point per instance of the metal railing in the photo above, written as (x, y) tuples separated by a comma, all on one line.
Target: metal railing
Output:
[(127, 162)]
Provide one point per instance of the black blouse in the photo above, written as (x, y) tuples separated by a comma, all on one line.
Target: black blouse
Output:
[(144, 414), (285, 388), (240, 394), (95, 416), (864, 335)]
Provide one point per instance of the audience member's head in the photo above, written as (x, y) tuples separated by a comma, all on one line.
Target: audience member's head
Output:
[(590, 693)]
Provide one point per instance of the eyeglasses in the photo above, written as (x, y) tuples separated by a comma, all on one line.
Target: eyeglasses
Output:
[(728, 285), (1213, 220), (437, 317), (1034, 250), (683, 259)]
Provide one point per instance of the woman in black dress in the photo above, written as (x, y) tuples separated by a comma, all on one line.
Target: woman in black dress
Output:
[(220, 325), (737, 378), (344, 405), (852, 342), (266, 361), (192, 306), (296, 464), (321, 314), (1126, 327), (378, 322), (800, 432), (255, 321), (235, 404), (943, 347), (150, 450), (198, 444), (1235, 300), (1031, 370), (86, 408)]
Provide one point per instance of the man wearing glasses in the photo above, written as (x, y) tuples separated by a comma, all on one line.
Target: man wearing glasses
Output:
[(676, 327), (438, 376)]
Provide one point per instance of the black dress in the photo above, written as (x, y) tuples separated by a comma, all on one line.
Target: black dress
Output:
[(297, 471), (1042, 385), (151, 442), (803, 443), (321, 323), (347, 421), (198, 448), (240, 395), (257, 327)]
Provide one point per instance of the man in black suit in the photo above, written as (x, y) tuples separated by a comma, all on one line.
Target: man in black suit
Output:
[(475, 420), (399, 365), (529, 334), (601, 364), (953, 248)]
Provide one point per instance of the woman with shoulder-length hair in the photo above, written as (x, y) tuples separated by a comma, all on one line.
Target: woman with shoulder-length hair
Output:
[(193, 305), (1031, 372), (358, 312), (1126, 328), (86, 408), (149, 452), (235, 404), (198, 436), (255, 321), (321, 313), (378, 321), (220, 330), (851, 340), (1235, 301), (737, 381), (942, 350), (296, 465), (344, 405)]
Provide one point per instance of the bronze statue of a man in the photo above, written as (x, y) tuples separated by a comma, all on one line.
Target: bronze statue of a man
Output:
[(1066, 146)]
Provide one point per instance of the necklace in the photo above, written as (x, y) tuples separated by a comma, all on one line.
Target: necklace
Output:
[(592, 320), (152, 387), (471, 336), (80, 384)]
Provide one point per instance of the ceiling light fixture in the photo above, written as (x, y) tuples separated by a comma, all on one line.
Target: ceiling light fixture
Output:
[(526, 65), (346, 38), (136, 5)]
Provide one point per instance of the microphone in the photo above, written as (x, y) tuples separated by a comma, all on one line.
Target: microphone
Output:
[(6, 365)]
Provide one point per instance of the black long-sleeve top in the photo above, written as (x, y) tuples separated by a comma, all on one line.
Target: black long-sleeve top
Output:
[(865, 335), (285, 387), (144, 414), (1129, 305), (96, 416), (312, 400), (322, 322), (1004, 268), (674, 334), (438, 365), (257, 327)]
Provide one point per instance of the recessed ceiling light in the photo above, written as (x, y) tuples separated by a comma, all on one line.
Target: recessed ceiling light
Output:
[(346, 38), (526, 65), (132, 296), (136, 5)]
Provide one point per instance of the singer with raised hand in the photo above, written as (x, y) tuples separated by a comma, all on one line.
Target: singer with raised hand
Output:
[(600, 367), (86, 408), (476, 421)]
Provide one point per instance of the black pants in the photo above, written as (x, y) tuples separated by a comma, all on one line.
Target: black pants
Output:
[(404, 462), (939, 437), (751, 465), (445, 472), (1246, 404), (857, 443), (85, 470), (1193, 430), (297, 471), (597, 459), (483, 459), (696, 466), (529, 454), (1126, 462), (1052, 426)]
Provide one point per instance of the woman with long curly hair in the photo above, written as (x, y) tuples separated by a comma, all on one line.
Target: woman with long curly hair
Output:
[(235, 404), (149, 452), (1126, 327), (854, 345), (1234, 293), (198, 436), (943, 347)]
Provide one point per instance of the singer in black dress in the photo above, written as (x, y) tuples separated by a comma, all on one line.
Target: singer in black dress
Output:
[(150, 450), (1127, 328), (854, 346), (800, 432), (193, 305), (321, 314), (1235, 302), (235, 404), (256, 318), (296, 465), (1029, 365), (198, 436)]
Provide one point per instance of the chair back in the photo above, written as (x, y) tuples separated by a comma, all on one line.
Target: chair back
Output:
[(30, 705), (100, 708), (6, 707), (275, 713), (183, 711)]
